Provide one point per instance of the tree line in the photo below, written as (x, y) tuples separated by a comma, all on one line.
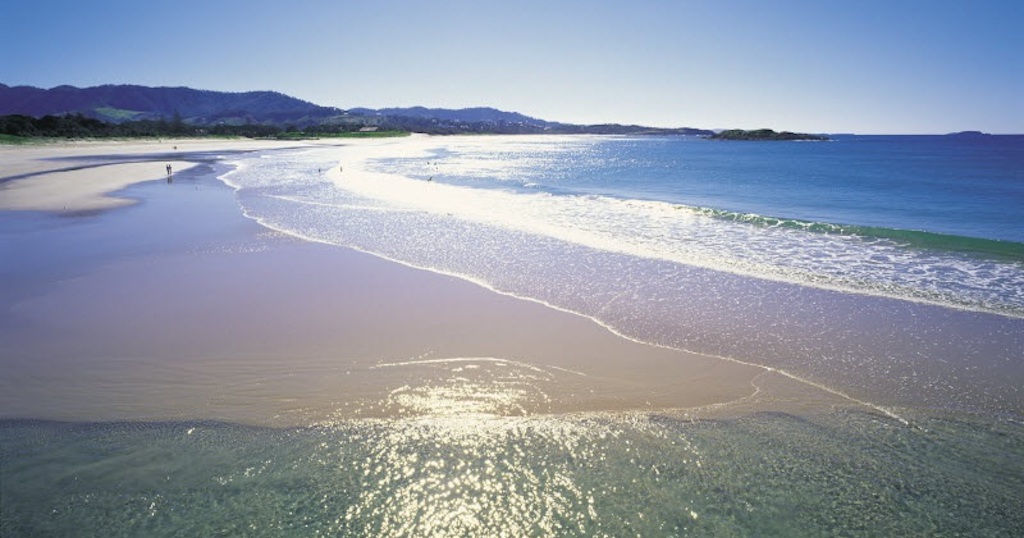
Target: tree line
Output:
[(81, 126)]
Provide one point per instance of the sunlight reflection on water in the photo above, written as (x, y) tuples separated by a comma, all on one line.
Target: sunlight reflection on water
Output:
[(461, 386), (465, 461), (479, 475), (848, 473)]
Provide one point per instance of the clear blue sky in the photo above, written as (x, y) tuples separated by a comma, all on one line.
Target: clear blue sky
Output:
[(867, 66)]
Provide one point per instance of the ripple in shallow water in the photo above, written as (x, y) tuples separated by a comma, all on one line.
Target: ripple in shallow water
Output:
[(849, 473)]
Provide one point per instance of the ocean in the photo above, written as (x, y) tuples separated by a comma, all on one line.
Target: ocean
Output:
[(882, 267), (884, 271)]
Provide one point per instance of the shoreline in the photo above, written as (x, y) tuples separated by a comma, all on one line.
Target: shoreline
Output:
[(885, 352), (175, 367), (223, 319), (81, 176)]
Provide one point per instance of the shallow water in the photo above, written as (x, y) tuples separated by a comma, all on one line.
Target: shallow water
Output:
[(769, 474)]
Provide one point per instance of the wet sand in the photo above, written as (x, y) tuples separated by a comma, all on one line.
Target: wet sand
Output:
[(179, 307)]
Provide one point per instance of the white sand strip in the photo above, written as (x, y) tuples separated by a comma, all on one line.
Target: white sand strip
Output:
[(87, 189), (51, 186)]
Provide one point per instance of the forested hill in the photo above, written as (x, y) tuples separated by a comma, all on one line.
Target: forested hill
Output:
[(468, 115), (141, 109), (762, 135), (118, 103)]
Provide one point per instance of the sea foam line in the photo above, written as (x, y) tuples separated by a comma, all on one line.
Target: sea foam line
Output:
[(486, 285), (505, 210), (336, 173)]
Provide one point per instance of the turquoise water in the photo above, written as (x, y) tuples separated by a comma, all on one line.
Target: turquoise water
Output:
[(846, 474)]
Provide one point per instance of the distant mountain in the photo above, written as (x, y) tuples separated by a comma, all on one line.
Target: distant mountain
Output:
[(209, 110), (467, 115), (485, 119), (128, 102)]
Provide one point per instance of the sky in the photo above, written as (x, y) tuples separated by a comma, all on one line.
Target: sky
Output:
[(865, 66)]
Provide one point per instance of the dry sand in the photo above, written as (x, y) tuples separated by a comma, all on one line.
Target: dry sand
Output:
[(80, 176), (229, 321)]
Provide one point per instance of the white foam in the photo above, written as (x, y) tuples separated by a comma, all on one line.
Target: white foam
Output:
[(489, 235), (664, 231), (645, 229)]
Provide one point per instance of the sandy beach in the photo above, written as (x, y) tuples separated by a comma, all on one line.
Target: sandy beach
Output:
[(173, 366), (80, 176), (181, 308)]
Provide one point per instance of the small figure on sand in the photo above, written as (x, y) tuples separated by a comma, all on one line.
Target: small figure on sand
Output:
[(168, 169)]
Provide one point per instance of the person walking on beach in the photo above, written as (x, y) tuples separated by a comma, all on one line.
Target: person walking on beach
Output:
[(168, 169)]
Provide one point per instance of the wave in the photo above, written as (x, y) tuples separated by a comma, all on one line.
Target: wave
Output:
[(411, 219), (676, 276), (919, 239)]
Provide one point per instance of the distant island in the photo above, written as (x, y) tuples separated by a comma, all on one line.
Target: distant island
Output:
[(969, 134), (765, 134)]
